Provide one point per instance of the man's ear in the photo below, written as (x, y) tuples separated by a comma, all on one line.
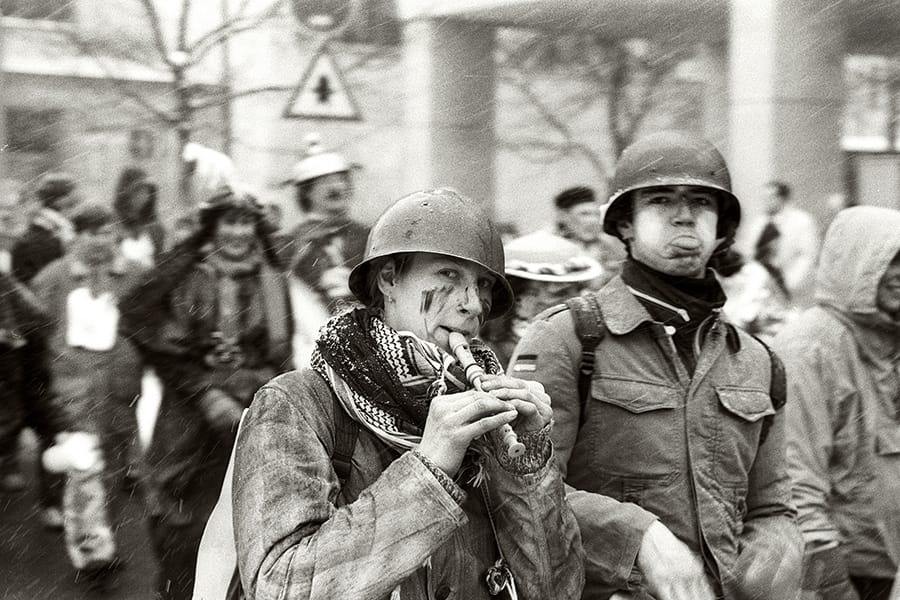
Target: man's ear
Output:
[(387, 278), (626, 230)]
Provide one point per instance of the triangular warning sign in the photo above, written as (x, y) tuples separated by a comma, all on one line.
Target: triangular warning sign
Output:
[(322, 92)]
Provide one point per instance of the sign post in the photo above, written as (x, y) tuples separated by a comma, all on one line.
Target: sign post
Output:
[(322, 92)]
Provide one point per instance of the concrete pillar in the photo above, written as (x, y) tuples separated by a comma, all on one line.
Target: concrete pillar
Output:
[(449, 114), (787, 90)]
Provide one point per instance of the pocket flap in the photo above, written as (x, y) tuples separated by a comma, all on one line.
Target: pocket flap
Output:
[(750, 405), (634, 396)]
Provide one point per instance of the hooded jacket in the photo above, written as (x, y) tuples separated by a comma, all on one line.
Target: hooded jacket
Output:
[(843, 364)]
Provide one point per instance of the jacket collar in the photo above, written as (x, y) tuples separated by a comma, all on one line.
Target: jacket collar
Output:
[(623, 313)]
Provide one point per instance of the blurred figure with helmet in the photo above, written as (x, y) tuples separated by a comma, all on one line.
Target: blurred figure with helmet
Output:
[(428, 502), (213, 319), (543, 270), (668, 424), (325, 245)]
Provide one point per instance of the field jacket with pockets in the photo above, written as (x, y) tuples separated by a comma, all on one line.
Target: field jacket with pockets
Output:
[(393, 528), (655, 442)]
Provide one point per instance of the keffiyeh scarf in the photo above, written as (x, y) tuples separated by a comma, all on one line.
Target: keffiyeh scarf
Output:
[(386, 379)]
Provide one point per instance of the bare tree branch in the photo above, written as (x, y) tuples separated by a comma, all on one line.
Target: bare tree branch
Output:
[(183, 19), (111, 76), (237, 24), (220, 99), (156, 28)]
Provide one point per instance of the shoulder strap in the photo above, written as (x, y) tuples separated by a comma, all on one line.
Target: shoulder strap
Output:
[(777, 388), (590, 329), (346, 430)]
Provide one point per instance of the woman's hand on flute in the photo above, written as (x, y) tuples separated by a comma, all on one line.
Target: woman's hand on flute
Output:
[(455, 420), (528, 397)]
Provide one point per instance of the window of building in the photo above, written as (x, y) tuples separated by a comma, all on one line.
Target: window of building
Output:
[(32, 131), (872, 111), (40, 10)]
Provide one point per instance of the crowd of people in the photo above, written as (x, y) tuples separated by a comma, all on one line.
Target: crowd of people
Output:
[(655, 397)]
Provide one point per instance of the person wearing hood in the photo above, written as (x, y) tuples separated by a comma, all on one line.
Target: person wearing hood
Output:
[(143, 236), (669, 430), (843, 364)]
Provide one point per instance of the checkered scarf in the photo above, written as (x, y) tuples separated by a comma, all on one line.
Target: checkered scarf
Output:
[(386, 379)]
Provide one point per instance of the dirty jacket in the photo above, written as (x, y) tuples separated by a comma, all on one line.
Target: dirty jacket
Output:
[(300, 536), (843, 361), (656, 443)]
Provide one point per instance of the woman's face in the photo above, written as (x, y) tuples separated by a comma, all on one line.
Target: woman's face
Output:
[(235, 237), (436, 295)]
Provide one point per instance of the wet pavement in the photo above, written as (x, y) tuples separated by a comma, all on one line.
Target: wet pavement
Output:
[(33, 560)]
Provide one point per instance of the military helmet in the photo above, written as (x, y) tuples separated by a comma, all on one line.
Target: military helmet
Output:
[(440, 221), (672, 158)]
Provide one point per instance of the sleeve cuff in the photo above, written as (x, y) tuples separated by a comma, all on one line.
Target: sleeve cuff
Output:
[(537, 451), (448, 484)]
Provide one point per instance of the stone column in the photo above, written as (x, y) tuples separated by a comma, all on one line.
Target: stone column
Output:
[(787, 90), (449, 113)]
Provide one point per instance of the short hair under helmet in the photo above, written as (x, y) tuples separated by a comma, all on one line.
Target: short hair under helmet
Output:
[(672, 158), (440, 221)]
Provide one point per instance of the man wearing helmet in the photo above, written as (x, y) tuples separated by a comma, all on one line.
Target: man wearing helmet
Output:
[(675, 452), (213, 319)]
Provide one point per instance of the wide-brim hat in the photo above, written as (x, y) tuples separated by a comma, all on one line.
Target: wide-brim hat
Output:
[(543, 256)]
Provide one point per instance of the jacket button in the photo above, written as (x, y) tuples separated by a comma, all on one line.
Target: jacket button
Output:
[(442, 593)]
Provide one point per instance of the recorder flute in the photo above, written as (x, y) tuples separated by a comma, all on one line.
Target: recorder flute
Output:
[(460, 347)]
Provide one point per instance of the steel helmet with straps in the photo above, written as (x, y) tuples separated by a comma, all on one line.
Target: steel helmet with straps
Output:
[(672, 158), (440, 221)]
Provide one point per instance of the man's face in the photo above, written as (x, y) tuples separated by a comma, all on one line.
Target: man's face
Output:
[(583, 221), (673, 228), (235, 237), (888, 295), (66, 205), (772, 202), (97, 244), (330, 194)]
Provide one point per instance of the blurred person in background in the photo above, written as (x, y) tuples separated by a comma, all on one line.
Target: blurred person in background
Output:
[(756, 303), (324, 246), (579, 218), (785, 240), (95, 374), (21, 313), (543, 270), (668, 428), (143, 236), (45, 240), (221, 327), (843, 420)]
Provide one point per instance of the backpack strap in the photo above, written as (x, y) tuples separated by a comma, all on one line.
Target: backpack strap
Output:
[(590, 329), (777, 388), (346, 430)]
